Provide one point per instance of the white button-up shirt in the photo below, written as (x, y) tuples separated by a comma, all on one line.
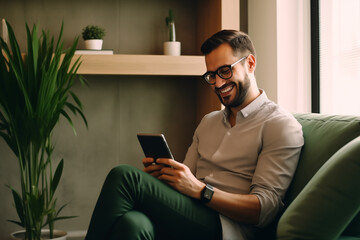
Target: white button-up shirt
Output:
[(258, 155)]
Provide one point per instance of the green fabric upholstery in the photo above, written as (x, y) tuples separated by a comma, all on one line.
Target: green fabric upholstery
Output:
[(324, 135), (354, 227), (348, 238), (329, 201)]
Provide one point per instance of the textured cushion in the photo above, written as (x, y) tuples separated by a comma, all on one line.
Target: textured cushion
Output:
[(354, 227), (348, 238), (323, 135), (329, 201)]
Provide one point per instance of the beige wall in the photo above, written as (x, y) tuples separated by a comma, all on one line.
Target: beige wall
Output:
[(117, 107), (262, 30), (280, 30)]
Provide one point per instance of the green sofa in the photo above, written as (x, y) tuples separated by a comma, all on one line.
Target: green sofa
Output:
[(324, 197)]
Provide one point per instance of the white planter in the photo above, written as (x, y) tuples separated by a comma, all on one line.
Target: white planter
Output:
[(172, 48), (93, 44), (58, 235)]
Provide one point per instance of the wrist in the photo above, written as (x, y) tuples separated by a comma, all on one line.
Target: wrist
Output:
[(199, 190)]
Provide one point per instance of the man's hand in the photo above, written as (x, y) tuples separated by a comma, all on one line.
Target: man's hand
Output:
[(179, 177), (151, 168)]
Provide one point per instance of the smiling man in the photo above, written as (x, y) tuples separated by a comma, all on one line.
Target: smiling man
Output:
[(235, 89), (235, 173)]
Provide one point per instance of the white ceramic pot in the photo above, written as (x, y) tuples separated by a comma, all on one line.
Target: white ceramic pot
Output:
[(58, 235), (93, 44), (172, 48)]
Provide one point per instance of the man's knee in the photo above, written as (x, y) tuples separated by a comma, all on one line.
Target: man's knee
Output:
[(122, 171), (133, 225)]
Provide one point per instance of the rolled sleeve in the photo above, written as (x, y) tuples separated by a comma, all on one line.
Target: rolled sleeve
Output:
[(270, 202), (277, 162)]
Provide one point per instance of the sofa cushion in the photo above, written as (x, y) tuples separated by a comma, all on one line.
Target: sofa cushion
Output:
[(323, 135), (329, 201), (354, 227)]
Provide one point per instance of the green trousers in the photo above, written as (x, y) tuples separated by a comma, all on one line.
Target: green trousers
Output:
[(134, 205)]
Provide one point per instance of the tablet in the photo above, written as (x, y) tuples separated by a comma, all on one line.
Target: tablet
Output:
[(154, 146)]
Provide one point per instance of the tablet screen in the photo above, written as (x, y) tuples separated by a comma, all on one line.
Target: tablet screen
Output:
[(154, 146)]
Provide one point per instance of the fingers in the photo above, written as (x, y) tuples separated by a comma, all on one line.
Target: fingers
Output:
[(170, 163), (167, 178), (165, 169), (148, 161), (153, 168)]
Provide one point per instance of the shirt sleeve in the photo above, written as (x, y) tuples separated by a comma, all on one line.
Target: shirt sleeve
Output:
[(282, 141), (192, 154)]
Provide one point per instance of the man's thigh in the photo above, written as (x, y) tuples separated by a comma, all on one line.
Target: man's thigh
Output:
[(171, 212)]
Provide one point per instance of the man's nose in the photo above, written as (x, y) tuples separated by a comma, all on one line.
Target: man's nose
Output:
[(219, 82)]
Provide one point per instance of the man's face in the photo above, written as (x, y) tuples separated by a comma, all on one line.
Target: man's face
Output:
[(232, 92)]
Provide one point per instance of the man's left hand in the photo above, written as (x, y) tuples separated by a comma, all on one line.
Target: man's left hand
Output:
[(180, 177)]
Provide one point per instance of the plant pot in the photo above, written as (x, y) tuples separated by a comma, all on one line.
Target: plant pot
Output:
[(172, 48), (93, 44), (58, 235)]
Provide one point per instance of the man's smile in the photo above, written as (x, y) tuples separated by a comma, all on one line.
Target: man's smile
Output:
[(225, 90)]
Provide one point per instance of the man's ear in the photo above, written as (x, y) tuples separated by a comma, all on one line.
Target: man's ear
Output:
[(251, 63)]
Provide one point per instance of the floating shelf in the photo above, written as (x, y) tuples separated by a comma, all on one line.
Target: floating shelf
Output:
[(127, 64)]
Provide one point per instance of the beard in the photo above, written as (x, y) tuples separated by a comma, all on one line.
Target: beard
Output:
[(242, 89)]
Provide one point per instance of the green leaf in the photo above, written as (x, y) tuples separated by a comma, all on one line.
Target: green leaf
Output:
[(37, 206), (19, 206), (75, 110), (8, 141), (16, 222), (3, 119), (62, 218), (76, 99), (57, 176), (69, 120)]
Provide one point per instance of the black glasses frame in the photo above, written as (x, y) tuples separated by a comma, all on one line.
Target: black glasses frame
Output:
[(209, 74)]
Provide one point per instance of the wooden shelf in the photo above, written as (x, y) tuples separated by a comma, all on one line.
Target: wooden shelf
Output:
[(127, 64)]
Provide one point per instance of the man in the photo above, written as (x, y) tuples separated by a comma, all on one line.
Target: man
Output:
[(235, 173)]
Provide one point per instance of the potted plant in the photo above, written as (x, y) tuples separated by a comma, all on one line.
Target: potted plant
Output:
[(93, 37), (171, 47), (35, 90)]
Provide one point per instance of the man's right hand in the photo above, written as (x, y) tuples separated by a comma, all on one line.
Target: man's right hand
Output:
[(151, 167)]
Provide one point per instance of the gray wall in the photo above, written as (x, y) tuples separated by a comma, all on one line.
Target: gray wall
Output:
[(117, 107), (132, 26)]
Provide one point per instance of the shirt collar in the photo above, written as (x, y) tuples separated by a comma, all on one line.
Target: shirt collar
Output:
[(254, 106)]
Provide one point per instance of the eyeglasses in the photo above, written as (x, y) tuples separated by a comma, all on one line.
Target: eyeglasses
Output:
[(225, 72)]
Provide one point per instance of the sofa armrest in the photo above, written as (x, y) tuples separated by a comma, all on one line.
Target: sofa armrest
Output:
[(330, 200)]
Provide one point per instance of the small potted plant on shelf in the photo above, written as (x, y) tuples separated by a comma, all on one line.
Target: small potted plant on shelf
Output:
[(93, 37), (171, 47), (35, 90)]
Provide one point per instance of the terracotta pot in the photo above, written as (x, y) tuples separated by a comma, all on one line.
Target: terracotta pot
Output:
[(58, 235)]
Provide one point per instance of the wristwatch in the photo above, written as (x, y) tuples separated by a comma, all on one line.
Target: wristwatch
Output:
[(207, 193)]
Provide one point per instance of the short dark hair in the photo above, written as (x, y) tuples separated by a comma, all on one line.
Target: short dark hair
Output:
[(239, 42)]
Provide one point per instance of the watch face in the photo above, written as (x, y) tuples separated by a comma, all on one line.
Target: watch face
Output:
[(207, 193)]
